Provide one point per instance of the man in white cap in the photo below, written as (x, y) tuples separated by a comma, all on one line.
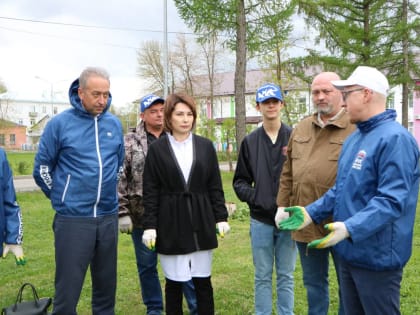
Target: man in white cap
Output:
[(373, 201)]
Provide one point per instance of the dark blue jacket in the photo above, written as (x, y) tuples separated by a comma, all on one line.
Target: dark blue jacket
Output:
[(375, 194), (79, 160), (257, 174), (11, 231)]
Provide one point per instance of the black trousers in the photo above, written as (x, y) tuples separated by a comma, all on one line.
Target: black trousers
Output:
[(82, 242), (203, 291)]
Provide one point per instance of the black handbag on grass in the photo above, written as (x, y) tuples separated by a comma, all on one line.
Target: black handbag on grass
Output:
[(36, 306)]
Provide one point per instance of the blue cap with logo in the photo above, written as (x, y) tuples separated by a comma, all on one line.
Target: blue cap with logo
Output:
[(149, 100), (267, 91)]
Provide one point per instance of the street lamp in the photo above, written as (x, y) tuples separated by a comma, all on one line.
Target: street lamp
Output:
[(51, 84)]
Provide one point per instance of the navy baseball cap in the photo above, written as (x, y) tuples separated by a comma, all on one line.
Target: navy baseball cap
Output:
[(267, 91), (149, 100)]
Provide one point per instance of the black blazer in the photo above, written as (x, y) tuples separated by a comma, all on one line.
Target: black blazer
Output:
[(183, 213)]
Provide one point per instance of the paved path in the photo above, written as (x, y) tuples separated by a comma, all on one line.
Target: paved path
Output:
[(24, 183)]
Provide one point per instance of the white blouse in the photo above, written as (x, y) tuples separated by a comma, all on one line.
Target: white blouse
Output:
[(184, 154)]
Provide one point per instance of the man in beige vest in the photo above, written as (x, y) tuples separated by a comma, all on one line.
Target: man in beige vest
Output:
[(309, 171)]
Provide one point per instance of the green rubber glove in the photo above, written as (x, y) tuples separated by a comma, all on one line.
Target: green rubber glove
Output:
[(298, 219), (17, 251), (338, 233)]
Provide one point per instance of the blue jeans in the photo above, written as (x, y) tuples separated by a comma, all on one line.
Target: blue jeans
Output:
[(269, 246), (151, 290), (369, 292), (315, 263)]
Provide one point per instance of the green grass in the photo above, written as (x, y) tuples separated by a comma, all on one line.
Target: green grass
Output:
[(22, 163), (232, 274)]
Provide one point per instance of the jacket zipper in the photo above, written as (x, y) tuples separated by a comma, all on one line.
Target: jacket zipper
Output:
[(65, 188), (98, 198)]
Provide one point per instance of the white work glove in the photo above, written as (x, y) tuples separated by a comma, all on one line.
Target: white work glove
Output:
[(280, 215), (222, 228), (17, 251), (125, 224), (149, 238), (338, 233)]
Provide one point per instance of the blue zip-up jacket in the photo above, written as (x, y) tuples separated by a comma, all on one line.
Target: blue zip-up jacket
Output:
[(375, 194), (79, 160), (11, 231)]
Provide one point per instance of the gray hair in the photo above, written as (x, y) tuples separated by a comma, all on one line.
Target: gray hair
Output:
[(92, 71)]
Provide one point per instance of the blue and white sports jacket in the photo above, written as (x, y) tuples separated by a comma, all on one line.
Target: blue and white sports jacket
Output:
[(11, 230), (375, 194), (79, 160)]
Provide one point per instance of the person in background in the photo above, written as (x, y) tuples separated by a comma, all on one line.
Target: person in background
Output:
[(77, 166), (131, 208), (373, 201), (184, 205), (256, 181), (11, 227), (308, 172)]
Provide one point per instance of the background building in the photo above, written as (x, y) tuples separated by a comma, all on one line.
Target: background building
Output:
[(31, 115)]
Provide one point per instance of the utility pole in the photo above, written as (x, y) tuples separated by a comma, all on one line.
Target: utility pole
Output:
[(165, 48)]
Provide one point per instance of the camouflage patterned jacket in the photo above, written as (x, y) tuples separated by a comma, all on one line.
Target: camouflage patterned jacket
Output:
[(130, 188)]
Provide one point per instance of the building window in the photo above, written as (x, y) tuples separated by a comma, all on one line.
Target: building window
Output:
[(411, 127), (302, 105), (2, 139), (390, 101), (12, 139), (410, 100), (44, 109)]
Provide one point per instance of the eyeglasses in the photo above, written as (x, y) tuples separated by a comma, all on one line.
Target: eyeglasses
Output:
[(346, 93)]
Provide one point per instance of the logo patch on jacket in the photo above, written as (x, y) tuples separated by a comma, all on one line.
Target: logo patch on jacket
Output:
[(357, 164)]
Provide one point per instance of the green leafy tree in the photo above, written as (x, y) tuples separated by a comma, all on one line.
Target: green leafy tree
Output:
[(379, 33), (207, 128), (242, 23), (128, 116)]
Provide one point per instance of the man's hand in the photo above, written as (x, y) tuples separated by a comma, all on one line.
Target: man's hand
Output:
[(222, 228), (299, 218), (149, 238), (125, 224), (17, 251), (281, 215), (338, 233)]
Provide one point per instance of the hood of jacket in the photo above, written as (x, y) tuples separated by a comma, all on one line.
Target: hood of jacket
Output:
[(76, 102)]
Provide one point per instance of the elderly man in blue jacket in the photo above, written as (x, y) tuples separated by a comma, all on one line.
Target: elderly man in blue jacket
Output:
[(373, 201), (78, 165)]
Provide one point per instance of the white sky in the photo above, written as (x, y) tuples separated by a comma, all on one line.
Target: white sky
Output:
[(58, 53)]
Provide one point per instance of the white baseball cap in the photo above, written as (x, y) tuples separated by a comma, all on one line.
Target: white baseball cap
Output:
[(368, 77)]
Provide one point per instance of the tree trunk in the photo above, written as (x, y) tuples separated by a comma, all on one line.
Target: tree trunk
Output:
[(240, 73)]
